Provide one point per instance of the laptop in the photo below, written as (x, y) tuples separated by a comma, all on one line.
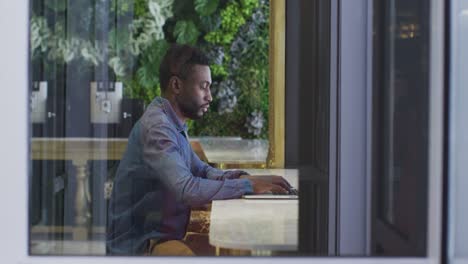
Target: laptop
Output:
[(293, 194)]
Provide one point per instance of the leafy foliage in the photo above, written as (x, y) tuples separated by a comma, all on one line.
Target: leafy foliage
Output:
[(120, 7), (245, 67), (147, 74), (234, 34), (140, 8), (232, 18), (206, 7), (219, 71), (186, 32), (56, 5), (138, 91)]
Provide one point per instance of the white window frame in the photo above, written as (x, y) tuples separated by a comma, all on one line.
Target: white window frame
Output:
[(14, 154), (458, 139)]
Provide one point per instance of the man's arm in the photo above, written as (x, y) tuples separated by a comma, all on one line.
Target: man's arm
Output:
[(161, 154), (203, 170)]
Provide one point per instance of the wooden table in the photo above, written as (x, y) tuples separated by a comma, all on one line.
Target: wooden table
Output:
[(261, 226)]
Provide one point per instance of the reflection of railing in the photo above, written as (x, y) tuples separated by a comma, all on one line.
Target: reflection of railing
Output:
[(231, 152), (79, 151)]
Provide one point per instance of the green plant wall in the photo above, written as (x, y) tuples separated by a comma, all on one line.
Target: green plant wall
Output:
[(234, 34)]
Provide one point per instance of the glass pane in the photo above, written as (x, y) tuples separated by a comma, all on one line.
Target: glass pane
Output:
[(94, 73), (112, 169), (405, 113)]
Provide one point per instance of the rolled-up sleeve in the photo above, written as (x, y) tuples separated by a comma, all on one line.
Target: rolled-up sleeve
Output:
[(162, 154)]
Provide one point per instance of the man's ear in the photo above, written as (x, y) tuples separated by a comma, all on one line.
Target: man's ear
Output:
[(175, 84)]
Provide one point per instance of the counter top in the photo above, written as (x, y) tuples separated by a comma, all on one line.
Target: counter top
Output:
[(257, 224)]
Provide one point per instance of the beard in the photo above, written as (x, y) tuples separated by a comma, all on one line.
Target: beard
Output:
[(189, 108)]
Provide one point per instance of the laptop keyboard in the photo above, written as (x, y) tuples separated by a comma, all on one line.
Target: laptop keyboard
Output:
[(293, 191)]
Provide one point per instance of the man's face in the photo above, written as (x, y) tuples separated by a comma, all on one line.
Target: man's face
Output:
[(195, 95)]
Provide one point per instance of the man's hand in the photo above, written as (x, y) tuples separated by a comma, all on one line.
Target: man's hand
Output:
[(268, 184)]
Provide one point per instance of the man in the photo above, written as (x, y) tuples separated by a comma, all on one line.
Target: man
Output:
[(159, 177)]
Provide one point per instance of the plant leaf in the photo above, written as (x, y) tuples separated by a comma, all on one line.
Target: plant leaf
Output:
[(206, 7), (210, 23), (56, 5), (186, 32), (151, 58)]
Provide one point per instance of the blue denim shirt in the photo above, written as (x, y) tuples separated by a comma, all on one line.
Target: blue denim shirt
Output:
[(157, 182)]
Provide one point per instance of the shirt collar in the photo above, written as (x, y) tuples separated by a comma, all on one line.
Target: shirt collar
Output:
[(167, 108)]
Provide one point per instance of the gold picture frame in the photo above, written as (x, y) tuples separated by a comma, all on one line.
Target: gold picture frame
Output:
[(277, 107)]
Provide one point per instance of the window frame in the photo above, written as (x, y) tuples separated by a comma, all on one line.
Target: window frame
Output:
[(16, 155)]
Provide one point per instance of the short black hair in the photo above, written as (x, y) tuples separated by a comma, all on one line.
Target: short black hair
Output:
[(179, 61)]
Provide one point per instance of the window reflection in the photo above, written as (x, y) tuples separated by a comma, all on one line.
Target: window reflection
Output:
[(94, 71), (402, 112)]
